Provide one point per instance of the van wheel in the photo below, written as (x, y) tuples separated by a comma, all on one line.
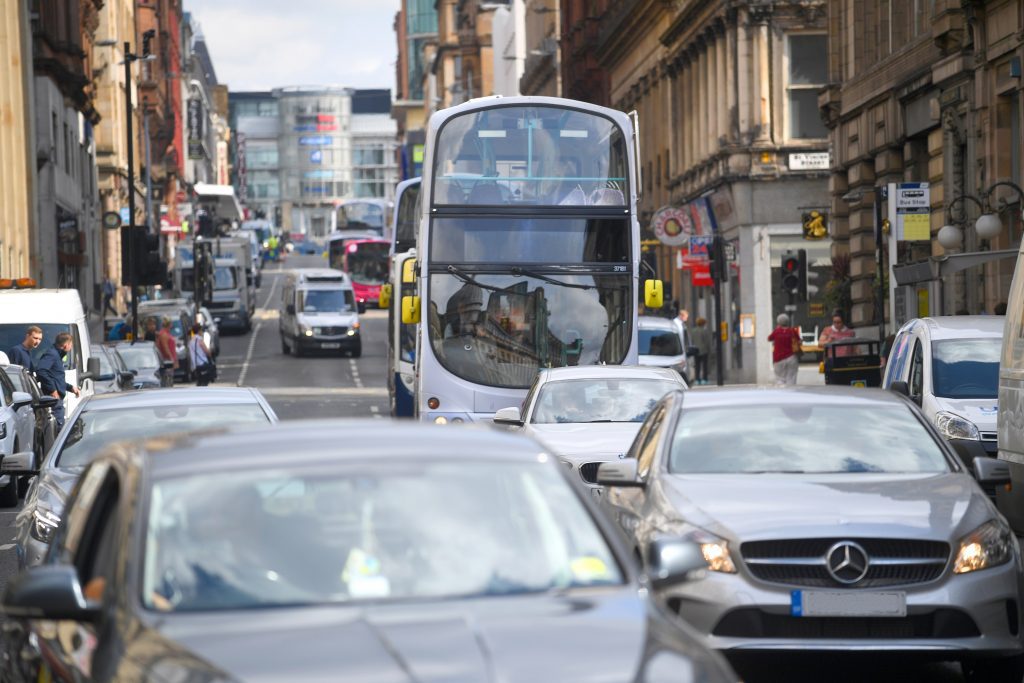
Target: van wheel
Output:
[(284, 346), (297, 349)]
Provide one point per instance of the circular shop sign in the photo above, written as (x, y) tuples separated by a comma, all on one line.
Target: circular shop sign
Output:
[(672, 226), (111, 220)]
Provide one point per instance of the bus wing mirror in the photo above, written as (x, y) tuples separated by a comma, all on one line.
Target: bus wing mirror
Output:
[(410, 310), (384, 300), (654, 294), (409, 271)]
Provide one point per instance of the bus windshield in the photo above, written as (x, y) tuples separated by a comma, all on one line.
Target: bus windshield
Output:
[(368, 262), (535, 155), (356, 214), (530, 240), (498, 330), (408, 219)]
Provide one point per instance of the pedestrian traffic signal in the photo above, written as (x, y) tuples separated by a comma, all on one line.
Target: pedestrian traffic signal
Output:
[(791, 276), (801, 274)]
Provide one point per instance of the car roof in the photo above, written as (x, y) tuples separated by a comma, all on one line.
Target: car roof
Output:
[(319, 276), (127, 343), (964, 326), (791, 395), (653, 322), (328, 442), (609, 371), (192, 396)]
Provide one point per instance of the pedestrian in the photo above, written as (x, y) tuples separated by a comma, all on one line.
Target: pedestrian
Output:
[(119, 331), (168, 348), (21, 354), (50, 370), (837, 331), (785, 346), (702, 343), (108, 297), (203, 368), (150, 333)]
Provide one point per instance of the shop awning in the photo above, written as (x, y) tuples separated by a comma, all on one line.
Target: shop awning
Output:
[(218, 199)]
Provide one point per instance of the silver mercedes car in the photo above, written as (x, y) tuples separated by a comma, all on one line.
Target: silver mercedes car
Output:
[(830, 519)]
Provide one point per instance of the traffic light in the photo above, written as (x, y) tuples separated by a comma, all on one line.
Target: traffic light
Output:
[(202, 272), (801, 274), (716, 256), (791, 276), (152, 269)]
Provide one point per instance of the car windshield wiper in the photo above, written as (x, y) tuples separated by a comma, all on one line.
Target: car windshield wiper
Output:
[(470, 280), (516, 270)]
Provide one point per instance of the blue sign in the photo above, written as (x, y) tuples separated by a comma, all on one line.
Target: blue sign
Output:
[(700, 244), (315, 140), (316, 156), (305, 128), (125, 218)]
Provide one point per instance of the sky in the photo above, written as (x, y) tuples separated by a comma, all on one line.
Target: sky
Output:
[(264, 44)]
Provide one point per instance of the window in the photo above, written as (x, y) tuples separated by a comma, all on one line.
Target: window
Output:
[(806, 56), (649, 448), (917, 370)]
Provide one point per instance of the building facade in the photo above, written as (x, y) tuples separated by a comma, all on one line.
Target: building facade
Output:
[(508, 28), (18, 209), (255, 122), (583, 76), (726, 97), (542, 70), (416, 32), (925, 92)]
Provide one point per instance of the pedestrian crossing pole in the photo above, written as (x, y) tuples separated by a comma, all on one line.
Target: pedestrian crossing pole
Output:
[(718, 275)]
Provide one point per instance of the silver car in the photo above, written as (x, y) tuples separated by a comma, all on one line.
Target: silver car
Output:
[(101, 420), (830, 519), (589, 414)]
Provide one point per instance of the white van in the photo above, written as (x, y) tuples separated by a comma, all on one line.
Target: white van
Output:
[(949, 365), (55, 311), (319, 311), (1011, 401)]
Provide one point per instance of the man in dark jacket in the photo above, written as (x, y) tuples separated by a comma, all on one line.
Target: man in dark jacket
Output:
[(50, 371), (21, 354)]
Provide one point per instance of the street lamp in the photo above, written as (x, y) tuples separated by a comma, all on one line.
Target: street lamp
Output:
[(987, 226)]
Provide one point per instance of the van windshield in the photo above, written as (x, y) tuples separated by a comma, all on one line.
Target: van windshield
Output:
[(966, 368), (326, 301), (12, 334)]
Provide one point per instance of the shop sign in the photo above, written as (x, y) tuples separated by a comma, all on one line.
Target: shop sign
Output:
[(700, 275), (672, 225)]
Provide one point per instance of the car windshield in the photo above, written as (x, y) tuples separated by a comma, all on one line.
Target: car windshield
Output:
[(139, 356), (95, 429), (660, 343), (106, 368), (326, 301), (966, 368), (12, 334), (599, 400), (17, 379), (381, 532), (804, 438)]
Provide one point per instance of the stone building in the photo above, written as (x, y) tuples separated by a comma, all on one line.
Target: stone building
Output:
[(582, 74), (18, 210), (416, 32), (925, 91), (542, 72), (730, 132)]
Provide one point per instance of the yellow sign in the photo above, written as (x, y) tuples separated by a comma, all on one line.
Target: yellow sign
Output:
[(816, 310), (917, 226), (815, 225)]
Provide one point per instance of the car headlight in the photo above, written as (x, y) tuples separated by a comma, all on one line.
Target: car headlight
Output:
[(714, 549), (955, 427), (990, 545), (44, 523)]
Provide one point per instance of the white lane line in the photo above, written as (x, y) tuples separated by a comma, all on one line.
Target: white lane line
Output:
[(6, 546), (313, 392), (374, 409), (355, 373), (255, 334)]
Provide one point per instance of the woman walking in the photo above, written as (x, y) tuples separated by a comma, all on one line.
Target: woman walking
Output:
[(785, 345), (203, 368)]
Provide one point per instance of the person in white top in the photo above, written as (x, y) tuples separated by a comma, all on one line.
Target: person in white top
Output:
[(200, 357)]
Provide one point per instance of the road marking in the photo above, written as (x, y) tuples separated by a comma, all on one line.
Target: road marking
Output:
[(355, 373), (6, 546), (255, 334), (313, 392)]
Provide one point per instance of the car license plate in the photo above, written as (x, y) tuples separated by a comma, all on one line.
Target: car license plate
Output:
[(332, 345), (847, 604)]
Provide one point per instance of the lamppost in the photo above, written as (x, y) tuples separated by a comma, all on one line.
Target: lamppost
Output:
[(987, 226)]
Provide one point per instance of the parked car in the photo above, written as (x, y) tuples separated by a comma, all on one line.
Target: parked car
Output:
[(589, 414), (114, 376), (831, 519), (105, 419), (45, 423), (661, 345), (144, 362), (353, 558), (17, 433), (211, 332), (181, 314), (949, 366)]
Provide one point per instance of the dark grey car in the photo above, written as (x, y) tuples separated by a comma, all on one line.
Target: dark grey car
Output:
[(333, 551), (831, 519)]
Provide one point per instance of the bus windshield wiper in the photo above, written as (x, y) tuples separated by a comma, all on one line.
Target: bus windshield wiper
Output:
[(470, 280), (516, 270)]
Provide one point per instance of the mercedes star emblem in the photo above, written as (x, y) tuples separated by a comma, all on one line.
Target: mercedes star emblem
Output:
[(847, 562)]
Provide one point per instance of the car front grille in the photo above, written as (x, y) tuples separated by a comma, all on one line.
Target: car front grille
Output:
[(803, 562), (588, 471), (751, 622), (331, 331)]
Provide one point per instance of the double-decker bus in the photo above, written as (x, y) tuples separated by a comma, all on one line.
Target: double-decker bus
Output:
[(366, 262), (529, 250), (402, 335), (369, 214)]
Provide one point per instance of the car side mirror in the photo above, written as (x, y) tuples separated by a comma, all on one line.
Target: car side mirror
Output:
[(508, 416), (622, 473), (290, 309), (20, 399), (92, 369), (22, 463), (990, 471), (384, 298), (125, 377), (361, 306), (45, 402), (167, 364), (900, 387), (48, 592), (671, 561), (135, 372)]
